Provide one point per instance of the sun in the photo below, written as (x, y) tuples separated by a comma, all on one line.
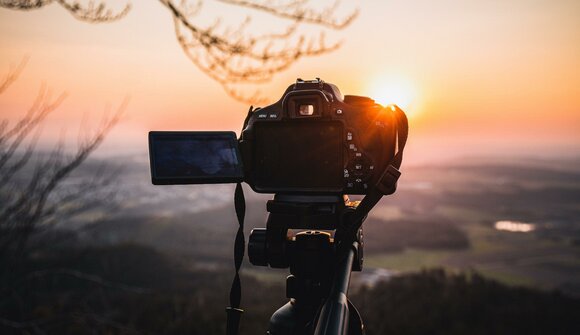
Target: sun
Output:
[(395, 91)]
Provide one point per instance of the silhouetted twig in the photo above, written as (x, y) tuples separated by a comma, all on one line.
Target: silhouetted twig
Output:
[(26, 187), (236, 56), (91, 11)]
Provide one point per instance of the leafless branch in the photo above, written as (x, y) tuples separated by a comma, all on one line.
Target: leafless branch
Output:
[(11, 76), (297, 11), (95, 12), (235, 57), (25, 191), (42, 106), (90, 11), (232, 56)]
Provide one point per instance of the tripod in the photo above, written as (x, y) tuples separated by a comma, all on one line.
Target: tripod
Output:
[(299, 235)]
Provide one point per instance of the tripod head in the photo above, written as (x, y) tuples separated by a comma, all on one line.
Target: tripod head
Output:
[(301, 234), (294, 219)]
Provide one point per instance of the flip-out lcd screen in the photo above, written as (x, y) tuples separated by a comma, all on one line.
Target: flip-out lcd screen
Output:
[(194, 157)]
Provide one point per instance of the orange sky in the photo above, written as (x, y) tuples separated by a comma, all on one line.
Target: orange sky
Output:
[(476, 77)]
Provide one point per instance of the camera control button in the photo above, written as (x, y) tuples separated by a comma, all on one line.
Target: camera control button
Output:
[(360, 168), (262, 115), (349, 136), (272, 116), (339, 112)]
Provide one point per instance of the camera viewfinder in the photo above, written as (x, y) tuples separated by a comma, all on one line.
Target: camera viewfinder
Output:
[(306, 110)]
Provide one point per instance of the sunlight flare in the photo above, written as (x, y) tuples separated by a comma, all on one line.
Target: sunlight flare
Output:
[(397, 91)]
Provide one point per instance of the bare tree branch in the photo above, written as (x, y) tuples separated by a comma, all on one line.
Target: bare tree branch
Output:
[(25, 191), (11, 76), (296, 11), (91, 11), (42, 106), (232, 56), (95, 12)]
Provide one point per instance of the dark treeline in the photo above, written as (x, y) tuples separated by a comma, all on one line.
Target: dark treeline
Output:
[(436, 302), (434, 233), (131, 289)]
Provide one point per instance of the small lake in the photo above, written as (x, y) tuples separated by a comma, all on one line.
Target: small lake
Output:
[(515, 226)]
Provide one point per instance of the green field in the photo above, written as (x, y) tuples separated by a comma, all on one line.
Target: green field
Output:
[(512, 258)]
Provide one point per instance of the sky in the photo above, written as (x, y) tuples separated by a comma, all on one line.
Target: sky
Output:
[(476, 78)]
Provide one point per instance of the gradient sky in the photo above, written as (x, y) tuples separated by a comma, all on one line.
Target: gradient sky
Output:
[(477, 78)]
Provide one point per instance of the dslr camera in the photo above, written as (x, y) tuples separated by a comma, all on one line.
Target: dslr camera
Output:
[(313, 140)]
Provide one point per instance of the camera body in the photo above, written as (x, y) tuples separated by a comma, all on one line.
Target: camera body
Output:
[(315, 141)]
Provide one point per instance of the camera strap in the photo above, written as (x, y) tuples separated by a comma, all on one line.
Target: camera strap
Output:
[(234, 312), (387, 183)]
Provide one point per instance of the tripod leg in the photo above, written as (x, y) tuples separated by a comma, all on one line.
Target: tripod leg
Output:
[(294, 318), (355, 324)]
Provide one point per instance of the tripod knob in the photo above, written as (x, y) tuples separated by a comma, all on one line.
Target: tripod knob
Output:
[(257, 247)]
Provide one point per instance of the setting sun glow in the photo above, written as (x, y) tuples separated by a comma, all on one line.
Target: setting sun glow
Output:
[(395, 91)]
